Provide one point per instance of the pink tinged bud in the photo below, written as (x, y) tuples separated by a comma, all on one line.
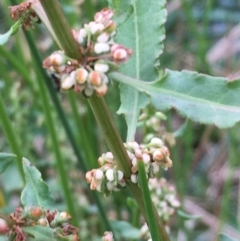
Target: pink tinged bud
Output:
[(165, 151), (108, 236), (138, 153), (157, 155), (43, 222), (157, 142), (146, 158), (134, 178), (99, 174), (81, 75), (101, 48), (57, 58), (98, 17), (110, 175), (100, 67), (134, 161), (95, 78), (103, 38), (89, 176), (3, 226), (120, 54), (101, 90)]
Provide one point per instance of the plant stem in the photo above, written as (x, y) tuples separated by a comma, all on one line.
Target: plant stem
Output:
[(99, 107), (11, 137)]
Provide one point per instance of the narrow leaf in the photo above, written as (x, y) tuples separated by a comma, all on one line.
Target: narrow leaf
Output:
[(143, 32), (5, 160), (199, 97), (40, 233), (36, 192), (13, 30), (225, 237), (187, 216)]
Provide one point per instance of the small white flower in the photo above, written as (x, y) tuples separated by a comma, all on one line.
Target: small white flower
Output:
[(175, 203), (134, 161), (101, 48), (130, 154), (138, 153), (100, 67), (81, 35), (110, 175)]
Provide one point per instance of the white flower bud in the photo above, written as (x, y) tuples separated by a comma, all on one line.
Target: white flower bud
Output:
[(67, 81), (100, 67), (82, 34), (110, 175), (103, 38), (109, 155), (101, 90), (120, 54), (138, 153), (146, 158), (108, 236), (155, 167), (175, 203), (130, 154), (157, 142), (134, 161), (120, 175), (101, 48), (99, 174), (157, 155), (134, 178), (133, 145), (88, 91), (109, 186)]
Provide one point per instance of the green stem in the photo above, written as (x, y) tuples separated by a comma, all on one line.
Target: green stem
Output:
[(10, 135), (147, 201), (99, 108)]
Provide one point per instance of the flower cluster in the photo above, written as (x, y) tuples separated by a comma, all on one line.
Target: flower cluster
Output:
[(154, 155), (165, 200), (25, 10), (100, 56), (109, 178), (32, 216)]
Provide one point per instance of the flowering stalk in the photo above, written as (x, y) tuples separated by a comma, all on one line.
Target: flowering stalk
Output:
[(112, 137)]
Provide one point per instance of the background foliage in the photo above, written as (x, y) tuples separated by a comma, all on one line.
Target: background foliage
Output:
[(206, 159)]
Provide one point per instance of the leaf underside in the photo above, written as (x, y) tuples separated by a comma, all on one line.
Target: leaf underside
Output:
[(143, 32), (40, 233), (199, 97), (5, 160), (36, 192)]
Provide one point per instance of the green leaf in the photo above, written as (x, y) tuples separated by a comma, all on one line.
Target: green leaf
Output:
[(5, 160), (123, 229), (36, 192), (225, 237), (143, 32), (13, 30), (187, 216), (199, 97), (40, 233)]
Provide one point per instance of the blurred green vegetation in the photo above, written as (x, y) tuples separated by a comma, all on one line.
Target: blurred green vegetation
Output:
[(47, 126)]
